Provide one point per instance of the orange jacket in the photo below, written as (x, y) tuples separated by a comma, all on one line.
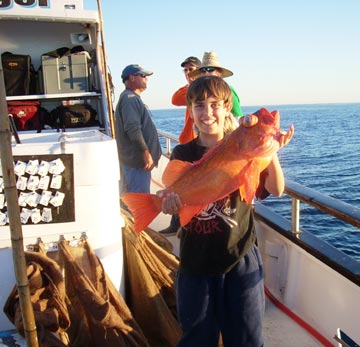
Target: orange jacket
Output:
[(179, 99)]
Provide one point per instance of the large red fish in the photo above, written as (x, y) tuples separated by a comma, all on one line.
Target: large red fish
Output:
[(235, 163)]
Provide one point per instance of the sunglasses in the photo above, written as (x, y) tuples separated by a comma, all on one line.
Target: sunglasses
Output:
[(207, 69)]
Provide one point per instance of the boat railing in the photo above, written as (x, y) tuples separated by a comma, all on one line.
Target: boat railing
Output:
[(337, 208), (170, 142)]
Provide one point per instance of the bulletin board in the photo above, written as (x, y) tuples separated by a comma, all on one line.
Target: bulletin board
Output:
[(45, 185)]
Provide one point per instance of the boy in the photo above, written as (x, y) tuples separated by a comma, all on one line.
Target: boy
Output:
[(220, 278)]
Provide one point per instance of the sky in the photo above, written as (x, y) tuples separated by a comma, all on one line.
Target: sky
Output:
[(280, 51)]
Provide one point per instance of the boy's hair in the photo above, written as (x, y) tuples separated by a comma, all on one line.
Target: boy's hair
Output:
[(230, 124), (206, 86)]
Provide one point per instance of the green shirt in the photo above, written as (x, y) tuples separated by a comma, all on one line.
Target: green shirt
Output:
[(236, 110)]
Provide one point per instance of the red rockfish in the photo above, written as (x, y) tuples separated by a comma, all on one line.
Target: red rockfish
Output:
[(234, 163)]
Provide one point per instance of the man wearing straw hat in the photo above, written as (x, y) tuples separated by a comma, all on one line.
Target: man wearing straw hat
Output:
[(210, 65)]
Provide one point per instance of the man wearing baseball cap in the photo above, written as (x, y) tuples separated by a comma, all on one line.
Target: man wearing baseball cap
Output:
[(139, 148), (189, 65)]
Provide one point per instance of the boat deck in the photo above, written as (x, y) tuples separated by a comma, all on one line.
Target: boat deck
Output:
[(279, 331)]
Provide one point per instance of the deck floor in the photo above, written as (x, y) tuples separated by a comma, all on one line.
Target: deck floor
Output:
[(281, 331)]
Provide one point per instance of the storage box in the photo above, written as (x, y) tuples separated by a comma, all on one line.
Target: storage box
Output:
[(67, 74), (18, 73)]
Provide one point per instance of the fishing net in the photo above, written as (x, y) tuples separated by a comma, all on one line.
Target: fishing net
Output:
[(75, 303), (48, 296), (150, 271), (84, 310), (109, 320)]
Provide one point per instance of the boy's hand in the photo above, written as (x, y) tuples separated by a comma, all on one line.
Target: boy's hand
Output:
[(285, 137), (171, 202)]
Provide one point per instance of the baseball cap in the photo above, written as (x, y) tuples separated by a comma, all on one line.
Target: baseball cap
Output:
[(191, 60), (134, 69)]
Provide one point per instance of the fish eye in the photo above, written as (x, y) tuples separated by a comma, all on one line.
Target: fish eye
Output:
[(249, 120)]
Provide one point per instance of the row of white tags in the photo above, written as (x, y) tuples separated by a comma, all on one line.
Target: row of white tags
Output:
[(33, 167), (35, 182), (33, 199), (36, 215)]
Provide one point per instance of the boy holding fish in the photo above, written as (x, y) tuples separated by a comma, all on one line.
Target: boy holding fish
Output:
[(220, 280)]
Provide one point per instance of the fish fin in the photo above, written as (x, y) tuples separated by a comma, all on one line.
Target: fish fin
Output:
[(144, 208), (246, 193), (174, 170), (187, 212), (276, 116), (251, 182)]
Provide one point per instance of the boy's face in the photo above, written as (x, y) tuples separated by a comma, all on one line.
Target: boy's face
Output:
[(209, 116)]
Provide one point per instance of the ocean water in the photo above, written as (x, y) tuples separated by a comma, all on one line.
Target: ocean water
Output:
[(324, 155)]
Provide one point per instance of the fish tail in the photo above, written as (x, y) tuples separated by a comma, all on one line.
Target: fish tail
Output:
[(144, 208)]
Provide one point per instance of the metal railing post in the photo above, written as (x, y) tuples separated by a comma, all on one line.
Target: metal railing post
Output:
[(168, 146), (295, 216)]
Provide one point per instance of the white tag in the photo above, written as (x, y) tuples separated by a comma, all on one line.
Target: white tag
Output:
[(21, 183), (2, 201), (33, 183), (46, 215), (35, 216), (3, 218), (43, 168), (44, 182), (32, 167), (22, 199), (58, 199), (56, 167), (56, 182), (1, 184), (24, 215), (51, 247), (33, 199), (19, 168), (45, 197)]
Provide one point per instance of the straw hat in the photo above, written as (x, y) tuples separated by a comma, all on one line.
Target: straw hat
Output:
[(210, 59)]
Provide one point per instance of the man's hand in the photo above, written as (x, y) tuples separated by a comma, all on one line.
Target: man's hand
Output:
[(148, 160)]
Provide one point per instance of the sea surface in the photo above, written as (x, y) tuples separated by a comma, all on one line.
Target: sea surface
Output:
[(324, 155)]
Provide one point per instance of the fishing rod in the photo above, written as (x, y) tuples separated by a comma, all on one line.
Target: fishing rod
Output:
[(107, 79), (11, 195)]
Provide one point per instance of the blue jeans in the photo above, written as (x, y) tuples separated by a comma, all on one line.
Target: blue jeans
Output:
[(134, 180), (231, 303)]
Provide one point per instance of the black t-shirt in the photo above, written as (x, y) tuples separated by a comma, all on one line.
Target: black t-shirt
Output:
[(217, 238)]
